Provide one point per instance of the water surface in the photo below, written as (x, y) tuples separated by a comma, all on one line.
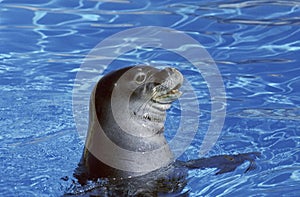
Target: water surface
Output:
[(255, 45)]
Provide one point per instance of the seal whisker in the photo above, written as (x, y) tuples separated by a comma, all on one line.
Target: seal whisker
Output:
[(146, 106)]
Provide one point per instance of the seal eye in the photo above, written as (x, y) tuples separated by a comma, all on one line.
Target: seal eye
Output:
[(140, 78)]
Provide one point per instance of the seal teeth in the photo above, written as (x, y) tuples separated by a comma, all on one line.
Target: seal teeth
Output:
[(167, 96)]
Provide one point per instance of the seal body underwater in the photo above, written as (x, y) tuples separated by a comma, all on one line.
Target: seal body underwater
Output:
[(125, 151)]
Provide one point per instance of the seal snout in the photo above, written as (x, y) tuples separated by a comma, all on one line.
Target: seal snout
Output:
[(168, 90)]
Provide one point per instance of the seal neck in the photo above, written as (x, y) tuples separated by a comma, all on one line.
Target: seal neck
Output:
[(122, 153)]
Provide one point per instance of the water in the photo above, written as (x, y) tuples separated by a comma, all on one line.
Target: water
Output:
[(255, 45)]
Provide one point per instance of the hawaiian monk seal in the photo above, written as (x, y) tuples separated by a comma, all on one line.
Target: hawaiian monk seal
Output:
[(125, 142), (129, 106)]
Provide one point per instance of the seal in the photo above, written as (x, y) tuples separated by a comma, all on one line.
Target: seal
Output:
[(127, 115), (125, 143)]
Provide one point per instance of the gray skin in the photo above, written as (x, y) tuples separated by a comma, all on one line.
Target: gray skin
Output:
[(127, 115), (125, 143)]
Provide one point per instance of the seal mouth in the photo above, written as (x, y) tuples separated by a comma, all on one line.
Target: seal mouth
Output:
[(168, 90), (167, 97)]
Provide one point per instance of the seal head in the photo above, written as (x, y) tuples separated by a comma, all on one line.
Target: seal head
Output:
[(126, 122)]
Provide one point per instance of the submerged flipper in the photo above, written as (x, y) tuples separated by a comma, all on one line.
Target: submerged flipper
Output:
[(225, 163)]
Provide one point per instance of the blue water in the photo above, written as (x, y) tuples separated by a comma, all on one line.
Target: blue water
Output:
[(255, 44)]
